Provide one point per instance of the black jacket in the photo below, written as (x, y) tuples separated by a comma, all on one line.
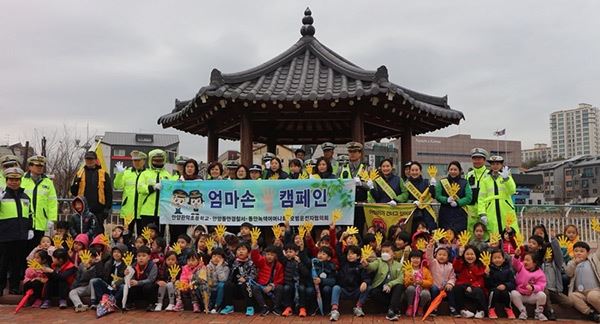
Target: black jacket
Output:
[(351, 275), (91, 190), (502, 275), (15, 227), (85, 275)]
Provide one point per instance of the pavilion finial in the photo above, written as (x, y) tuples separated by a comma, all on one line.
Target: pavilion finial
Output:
[(307, 29)]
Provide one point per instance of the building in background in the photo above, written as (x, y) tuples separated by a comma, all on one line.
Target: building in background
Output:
[(555, 178), (19, 150), (540, 153), (575, 132), (116, 146), (439, 151), (373, 152), (582, 181)]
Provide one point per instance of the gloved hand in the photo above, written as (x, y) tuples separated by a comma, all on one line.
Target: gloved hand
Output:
[(483, 219), (392, 203), (29, 234), (450, 200), (432, 181), (181, 178), (120, 167), (370, 184), (453, 203), (157, 186), (505, 173), (2, 193), (357, 181), (417, 203), (50, 224), (268, 164)]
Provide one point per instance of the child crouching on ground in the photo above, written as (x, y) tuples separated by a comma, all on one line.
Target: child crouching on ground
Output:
[(82, 286), (218, 273), (499, 279), (352, 283), (469, 283), (142, 284), (35, 279), (185, 286), (584, 292), (60, 277), (269, 278), (166, 283), (419, 279), (530, 282), (441, 269)]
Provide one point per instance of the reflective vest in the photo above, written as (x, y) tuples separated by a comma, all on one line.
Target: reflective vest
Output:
[(15, 216), (147, 180), (495, 201), (127, 181), (43, 200), (346, 173), (2, 180)]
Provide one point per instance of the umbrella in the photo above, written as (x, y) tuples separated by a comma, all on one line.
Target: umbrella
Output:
[(23, 301), (317, 290), (418, 276), (434, 304), (127, 285)]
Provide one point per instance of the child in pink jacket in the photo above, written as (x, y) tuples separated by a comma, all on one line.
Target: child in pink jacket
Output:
[(441, 269), (530, 283)]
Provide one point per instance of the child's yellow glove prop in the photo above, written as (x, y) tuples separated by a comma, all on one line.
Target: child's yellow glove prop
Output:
[(407, 267), (378, 239), (595, 225), (351, 230), (220, 231), (563, 241), (276, 231), (336, 215), (366, 251), (33, 264), (301, 231), (210, 244), (519, 239), (494, 238), (288, 213), (432, 171), (486, 258), (128, 258), (510, 220), (176, 248), (454, 189), (174, 270), (85, 256), (254, 235), (439, 234), (127, 220), (57, 241), (146, 234), (548, 255), (463, 238), (421, 244), (70, 241), (308, 225)]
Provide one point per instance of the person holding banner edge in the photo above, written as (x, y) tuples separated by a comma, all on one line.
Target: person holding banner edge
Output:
[(149, 185), (352, 171)]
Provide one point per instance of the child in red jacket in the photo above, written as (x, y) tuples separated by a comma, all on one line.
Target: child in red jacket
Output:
[(60, 278), (469, 283), (269, 278)]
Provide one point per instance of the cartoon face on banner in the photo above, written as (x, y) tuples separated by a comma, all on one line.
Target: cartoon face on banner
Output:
[(196, 200), (178, 199)]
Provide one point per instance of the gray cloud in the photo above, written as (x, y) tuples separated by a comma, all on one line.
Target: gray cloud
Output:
[(118, 66)]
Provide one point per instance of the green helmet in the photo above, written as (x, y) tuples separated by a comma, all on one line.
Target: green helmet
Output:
[(157, 154)]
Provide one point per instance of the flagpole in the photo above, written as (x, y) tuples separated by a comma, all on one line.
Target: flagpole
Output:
[(505, 147), (497, 142)]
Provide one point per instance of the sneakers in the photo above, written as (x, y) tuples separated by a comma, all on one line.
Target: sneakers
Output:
[(170, 308), (409, 311), (178, 306), (287, 312), (62, 304), (37, 303), (45, 304), (196, 308), (480, 314), (212, 311), (264, 311), (492, 313), (523, 314), (454, 313), (80, 308), (539, 314), (466, 313), (158, 307), (551, 315), (93, 306), (509, 313), (302, 312), (149, 308), (226, 310), (250, 311), (391, 315), (358, 312), (276, 311), (335, 315)]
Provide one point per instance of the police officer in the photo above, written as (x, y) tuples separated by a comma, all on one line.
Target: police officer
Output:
[(16, 221), (179, 167), (7, 161), (328, 150), (266, 160), (150, 185), (127, 180), (41, 190), (352, 171), (231, 166), (93, 183), (300, 154), (474, 177)]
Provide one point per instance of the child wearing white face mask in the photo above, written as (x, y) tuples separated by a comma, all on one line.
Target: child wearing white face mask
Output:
[(387, 284)]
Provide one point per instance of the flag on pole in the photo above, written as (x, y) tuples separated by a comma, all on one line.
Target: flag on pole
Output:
[(501, 132)]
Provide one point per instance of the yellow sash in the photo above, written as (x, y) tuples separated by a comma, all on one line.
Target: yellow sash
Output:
[(446, 185), (424, 198), (389, 191)]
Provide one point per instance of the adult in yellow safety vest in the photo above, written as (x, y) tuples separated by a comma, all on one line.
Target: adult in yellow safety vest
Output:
[(42, 193), (7, 161), (495, 198), (149, 185), (474, 177), (352, 171), (16, 227), (127, 180)]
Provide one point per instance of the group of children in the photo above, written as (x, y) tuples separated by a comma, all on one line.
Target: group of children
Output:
[(299, 274)]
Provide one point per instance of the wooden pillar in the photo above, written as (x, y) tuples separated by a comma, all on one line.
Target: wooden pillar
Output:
[(246, 139), (406, 146), (212, 151), (272, 145), (358, 127)]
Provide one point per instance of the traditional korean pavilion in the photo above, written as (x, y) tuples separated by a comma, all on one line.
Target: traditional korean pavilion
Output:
[(308, 94)]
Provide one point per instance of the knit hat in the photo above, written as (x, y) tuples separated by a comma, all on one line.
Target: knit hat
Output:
[(83, 239)]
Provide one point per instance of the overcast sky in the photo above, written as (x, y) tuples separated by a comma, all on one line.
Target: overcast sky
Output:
[(119, 65)]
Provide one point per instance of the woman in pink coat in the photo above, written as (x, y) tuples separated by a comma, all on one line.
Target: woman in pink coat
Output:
[(530, 283)]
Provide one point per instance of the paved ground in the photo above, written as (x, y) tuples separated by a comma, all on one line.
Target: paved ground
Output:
[(54, 315)]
